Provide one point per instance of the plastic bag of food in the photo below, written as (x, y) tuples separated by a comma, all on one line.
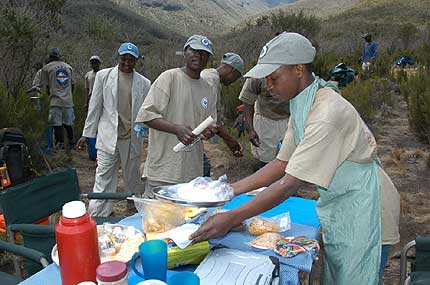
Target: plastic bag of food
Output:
[(200, 189), (279, 223), (159, 216), (266, 241)]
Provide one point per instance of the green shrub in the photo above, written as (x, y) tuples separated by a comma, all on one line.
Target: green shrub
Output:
[(230, 99), (359, 94), (307, 25), (79, 101), (416, 90), (370, 97), (19, 112)]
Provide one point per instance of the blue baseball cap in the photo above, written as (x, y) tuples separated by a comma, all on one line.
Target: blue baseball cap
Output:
[(129, 48)]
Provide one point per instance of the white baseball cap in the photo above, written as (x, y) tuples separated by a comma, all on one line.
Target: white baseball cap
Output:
[(284, 49)]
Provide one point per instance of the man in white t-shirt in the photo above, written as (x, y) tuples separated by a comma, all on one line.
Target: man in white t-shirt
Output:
[(178, 101), (117, 96), (90, 77), (328, 145)]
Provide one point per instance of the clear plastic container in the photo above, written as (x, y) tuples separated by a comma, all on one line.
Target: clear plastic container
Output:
[(112, 273)]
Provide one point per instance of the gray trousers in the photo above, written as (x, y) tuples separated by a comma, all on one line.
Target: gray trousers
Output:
[(107, 176)]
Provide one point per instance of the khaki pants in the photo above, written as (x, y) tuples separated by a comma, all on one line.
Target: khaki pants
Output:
[(107, 176), (270, 133)]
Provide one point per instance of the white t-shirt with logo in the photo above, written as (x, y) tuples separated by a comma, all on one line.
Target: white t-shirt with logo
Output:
[(58, 76), (179, 99)]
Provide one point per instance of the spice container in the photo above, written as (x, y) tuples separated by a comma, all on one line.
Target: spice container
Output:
[(112, 273)]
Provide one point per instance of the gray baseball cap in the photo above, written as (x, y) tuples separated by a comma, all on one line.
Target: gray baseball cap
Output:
[(284, 49), (54, 52), (199, 42), (234, 60)]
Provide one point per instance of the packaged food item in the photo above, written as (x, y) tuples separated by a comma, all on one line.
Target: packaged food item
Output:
[(291, 246), (260, 225), (266, 241), (159, 216), (192, 254)]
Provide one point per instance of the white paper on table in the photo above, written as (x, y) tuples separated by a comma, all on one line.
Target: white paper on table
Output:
[(197, 131), (180, 234)]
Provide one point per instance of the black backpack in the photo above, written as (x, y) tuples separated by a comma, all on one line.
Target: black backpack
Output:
[(14, 152)]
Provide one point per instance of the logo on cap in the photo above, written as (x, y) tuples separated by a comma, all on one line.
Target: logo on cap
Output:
[(205, 103), (205, 41), (129, 46), (263, 51)]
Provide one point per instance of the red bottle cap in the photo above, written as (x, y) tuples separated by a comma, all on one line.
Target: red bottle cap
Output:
[(111, 271)]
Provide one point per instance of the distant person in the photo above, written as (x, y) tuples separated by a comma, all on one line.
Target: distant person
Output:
[(179, 100), (36, 85), (142, 69), (230, 70), (117, 96), (90, 77), (266, 119), (240, 124), (57, 78), (370, 52)]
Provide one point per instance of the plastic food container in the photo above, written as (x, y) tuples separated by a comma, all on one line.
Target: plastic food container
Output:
[(112, 273)]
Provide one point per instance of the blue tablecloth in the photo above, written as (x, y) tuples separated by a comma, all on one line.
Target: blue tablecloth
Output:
[(304, 219)]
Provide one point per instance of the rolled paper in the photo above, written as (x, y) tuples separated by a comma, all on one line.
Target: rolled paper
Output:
[(197, 131)]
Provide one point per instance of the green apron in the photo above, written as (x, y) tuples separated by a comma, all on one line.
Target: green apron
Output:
[(348, 210)]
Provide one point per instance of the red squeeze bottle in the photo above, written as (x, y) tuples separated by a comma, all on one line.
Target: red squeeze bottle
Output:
[(77, 243)]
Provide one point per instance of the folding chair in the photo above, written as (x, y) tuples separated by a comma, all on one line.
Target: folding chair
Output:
[(26, 203), (28, 253), (41, 197), (420, 267)]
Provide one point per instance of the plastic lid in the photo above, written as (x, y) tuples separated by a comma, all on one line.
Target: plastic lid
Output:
[(111, 271), (74, 209)]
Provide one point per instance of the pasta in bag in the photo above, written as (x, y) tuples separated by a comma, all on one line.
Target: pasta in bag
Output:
[(159, 216), (276, 224)]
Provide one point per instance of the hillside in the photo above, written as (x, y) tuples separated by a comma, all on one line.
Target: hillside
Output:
[(396, 24), (98, 16), (208, 17), (320, 8)]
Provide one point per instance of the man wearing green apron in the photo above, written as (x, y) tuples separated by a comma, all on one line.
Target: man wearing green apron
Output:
[(327, 144)]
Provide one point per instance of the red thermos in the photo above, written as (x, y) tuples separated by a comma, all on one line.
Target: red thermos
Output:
[(77, 244)]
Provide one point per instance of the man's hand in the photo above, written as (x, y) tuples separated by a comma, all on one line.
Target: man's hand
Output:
[(209, 132), (80, 143), (216, 226), (254, 139), (236, 148), (184, 134)]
